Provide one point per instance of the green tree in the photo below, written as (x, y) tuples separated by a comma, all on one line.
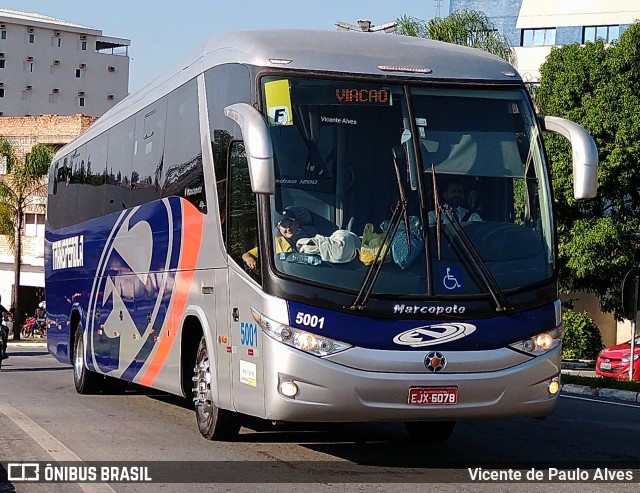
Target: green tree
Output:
[(596, 85), (21, 190), (463, 27)]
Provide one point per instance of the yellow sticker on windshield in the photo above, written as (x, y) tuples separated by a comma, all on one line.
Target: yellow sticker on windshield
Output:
[(278, 102)]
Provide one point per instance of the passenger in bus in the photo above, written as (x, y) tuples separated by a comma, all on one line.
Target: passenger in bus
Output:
[(289, 231), (454, 198)]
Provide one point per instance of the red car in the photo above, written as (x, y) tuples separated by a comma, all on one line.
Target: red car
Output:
[(614, 361)]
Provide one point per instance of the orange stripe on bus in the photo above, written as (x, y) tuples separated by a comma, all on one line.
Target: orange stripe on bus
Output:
[(192, 221)]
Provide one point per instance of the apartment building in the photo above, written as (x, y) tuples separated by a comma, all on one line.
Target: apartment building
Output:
[(533, 27), (51, 66)]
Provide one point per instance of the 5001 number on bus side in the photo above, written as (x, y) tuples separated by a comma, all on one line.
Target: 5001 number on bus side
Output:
[(309, 320)]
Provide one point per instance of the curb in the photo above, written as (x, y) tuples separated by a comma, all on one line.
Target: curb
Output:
[(38, 344), (621, 395)]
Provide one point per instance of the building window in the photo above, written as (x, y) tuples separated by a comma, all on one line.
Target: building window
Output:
[(78, 73), (1, 93), (3, 34), (34, 225), (1, 63), (81, 101), (83, 45), (606, 33), (32, 38), (538, 37), (56, 41), (28, 67)]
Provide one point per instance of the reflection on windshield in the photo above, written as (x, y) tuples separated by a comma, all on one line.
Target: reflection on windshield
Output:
[(335, 144)]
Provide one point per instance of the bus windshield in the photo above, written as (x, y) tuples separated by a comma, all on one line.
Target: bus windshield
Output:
[(349, 154)]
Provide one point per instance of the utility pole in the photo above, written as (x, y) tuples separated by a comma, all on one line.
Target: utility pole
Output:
[(438, 8)]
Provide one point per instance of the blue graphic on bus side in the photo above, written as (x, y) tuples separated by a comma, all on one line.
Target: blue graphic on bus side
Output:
[(399, 334), (135, 269)]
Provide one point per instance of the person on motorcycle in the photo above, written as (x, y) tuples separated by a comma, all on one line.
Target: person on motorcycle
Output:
[(4, 331)]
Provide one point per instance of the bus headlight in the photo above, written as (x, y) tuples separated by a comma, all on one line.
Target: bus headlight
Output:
[(297, 338), (539, 344)]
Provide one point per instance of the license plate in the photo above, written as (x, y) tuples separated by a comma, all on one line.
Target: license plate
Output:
[(433, 396), (605, 366)]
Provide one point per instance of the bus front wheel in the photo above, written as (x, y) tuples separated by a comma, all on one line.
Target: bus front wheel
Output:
[(430, 431), (214, 423)]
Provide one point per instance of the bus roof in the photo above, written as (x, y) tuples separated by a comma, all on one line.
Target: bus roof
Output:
[(344, 52), (359, 53)]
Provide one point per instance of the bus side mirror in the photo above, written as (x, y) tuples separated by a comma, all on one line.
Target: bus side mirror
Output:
[(257, 141), (584, 155)]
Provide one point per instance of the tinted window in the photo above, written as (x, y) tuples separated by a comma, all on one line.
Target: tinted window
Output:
[(243, 218), (182, 172), (117, 187), (226, 84), (148, 159)]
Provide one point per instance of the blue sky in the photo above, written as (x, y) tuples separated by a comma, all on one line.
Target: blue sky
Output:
[(162, 32)]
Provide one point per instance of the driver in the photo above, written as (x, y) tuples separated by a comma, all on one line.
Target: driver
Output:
[(454, 197), (285, 242)]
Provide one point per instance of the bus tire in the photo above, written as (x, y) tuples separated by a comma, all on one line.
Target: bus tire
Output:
[(213, 423), (430, 431), (86, 381)]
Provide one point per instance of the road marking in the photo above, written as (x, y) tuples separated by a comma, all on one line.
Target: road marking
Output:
[(601, 401), (58, 451)]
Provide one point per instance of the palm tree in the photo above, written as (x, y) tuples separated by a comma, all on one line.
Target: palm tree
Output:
[(463, 27), (21, 190)]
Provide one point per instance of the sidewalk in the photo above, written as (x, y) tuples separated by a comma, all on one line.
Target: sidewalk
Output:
[(37, 342)]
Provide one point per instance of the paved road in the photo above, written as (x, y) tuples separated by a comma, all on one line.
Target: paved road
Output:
[(43, 419)]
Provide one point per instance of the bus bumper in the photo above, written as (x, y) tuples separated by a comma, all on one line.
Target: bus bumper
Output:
[(331, 392)]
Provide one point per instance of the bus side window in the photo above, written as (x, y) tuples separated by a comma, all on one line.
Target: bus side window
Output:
[(242, 213)]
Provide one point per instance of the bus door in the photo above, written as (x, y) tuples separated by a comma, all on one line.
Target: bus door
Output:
[(244, 287)]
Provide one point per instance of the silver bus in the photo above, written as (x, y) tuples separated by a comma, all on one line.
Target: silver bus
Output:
[(315, 226)]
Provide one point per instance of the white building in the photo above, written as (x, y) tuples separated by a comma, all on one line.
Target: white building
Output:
[(51, 66), (534, 27)]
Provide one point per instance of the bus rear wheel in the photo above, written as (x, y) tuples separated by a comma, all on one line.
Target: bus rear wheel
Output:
[(430, 431), (214, 423), (86, 381)]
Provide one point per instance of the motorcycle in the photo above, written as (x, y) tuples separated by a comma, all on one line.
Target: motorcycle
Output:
[(33, 327)]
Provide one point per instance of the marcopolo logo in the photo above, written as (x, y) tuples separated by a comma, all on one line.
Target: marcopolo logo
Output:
[(429, 309), (430, 335)]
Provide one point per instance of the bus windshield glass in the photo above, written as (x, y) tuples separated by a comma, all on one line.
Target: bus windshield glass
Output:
[(347, 155)]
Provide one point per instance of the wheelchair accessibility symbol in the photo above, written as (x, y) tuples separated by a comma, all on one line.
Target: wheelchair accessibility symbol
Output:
[(452, 279)]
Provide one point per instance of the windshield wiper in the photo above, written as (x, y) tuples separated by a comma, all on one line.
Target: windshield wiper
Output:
[(467, 246), (400, 212), (476, 260), (437, 210)]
